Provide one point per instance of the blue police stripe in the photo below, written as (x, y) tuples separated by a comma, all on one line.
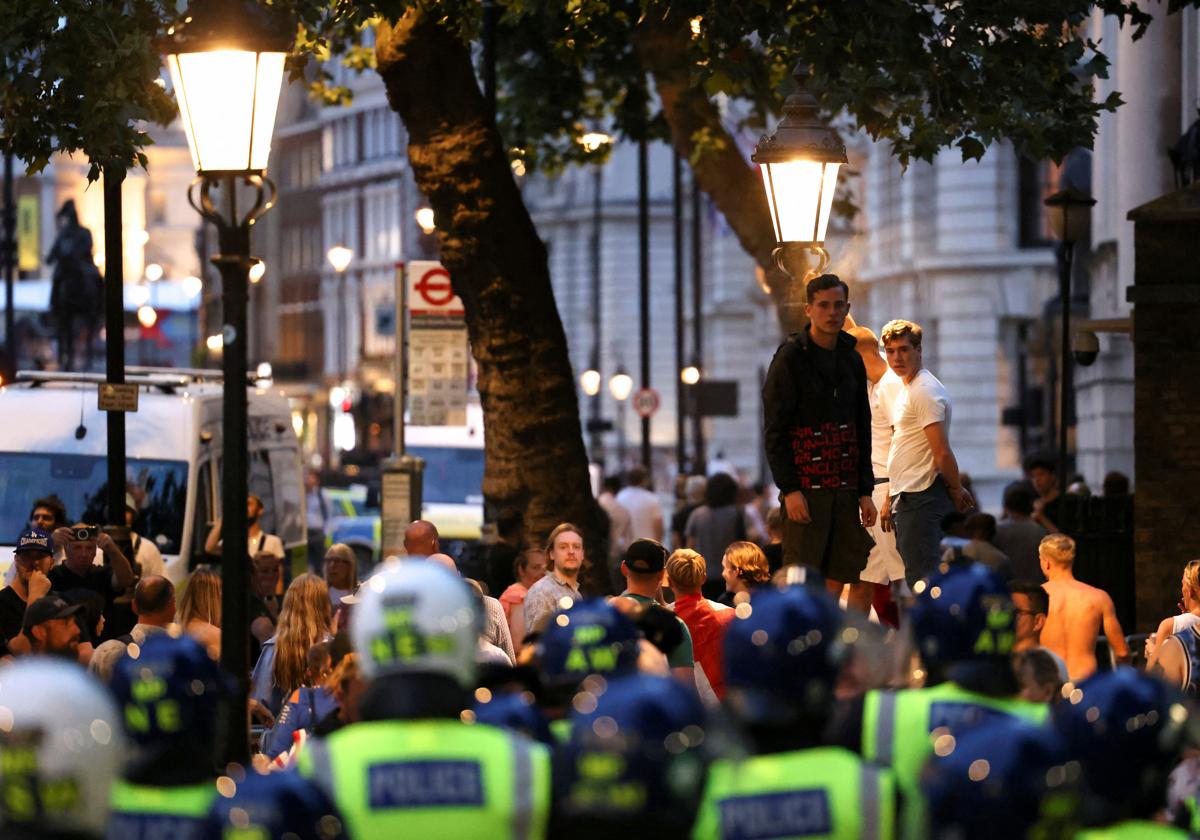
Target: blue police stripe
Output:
[(424, 784), (957, 716), (125, 826), (799, 813)]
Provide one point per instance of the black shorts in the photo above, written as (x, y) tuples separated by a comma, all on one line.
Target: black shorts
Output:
[(834, 541)]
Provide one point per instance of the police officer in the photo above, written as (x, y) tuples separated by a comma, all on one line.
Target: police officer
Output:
[(61, 747), (964, 625), (274, 806), (633, 764), (172, 694), (589, 637), (1128, 730), (1004, 779), (411, 767), (781, 663)]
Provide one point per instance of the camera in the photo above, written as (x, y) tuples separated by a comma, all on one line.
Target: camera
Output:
[(1085, 347), (87, 532)]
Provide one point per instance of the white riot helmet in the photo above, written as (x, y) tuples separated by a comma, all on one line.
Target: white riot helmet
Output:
[(61, 748), (417, 617)]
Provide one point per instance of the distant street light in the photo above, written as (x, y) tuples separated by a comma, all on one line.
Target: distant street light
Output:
[(226, 63), (192, 286), (594, 141), (589, 380), (257, 271), (620, 385), (146, 316), (139, 295), (425, 220), (263, 371), (154, 272), (799, 162), (690, 375), (339, 257)]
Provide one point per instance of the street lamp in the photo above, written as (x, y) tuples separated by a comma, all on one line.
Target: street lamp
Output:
[(257, 271), (226, 63), (620, 385), (340, 257), (589, 380), (690, 375), (799, 164), (425, 220), (1069, 212)]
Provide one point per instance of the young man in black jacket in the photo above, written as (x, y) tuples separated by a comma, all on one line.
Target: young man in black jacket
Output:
[(818, 441)]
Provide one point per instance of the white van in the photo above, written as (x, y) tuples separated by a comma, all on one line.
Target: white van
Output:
[(53, 441)]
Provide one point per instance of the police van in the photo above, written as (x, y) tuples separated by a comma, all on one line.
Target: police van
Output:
[(53, 441), (451, 490)]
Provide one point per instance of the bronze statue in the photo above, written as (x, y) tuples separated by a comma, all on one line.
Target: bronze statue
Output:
[(76, 289)]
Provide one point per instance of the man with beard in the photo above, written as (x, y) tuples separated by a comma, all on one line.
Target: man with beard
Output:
[(257, 540), (51, 628)]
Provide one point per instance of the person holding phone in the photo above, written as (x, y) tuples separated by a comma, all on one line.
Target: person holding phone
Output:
[(78, 571)]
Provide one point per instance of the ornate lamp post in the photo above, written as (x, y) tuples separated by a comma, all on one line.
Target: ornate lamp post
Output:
[(1069, 212), (799, 162), (226, 67)]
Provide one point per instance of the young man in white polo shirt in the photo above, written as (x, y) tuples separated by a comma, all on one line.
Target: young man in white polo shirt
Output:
[(924, 484)]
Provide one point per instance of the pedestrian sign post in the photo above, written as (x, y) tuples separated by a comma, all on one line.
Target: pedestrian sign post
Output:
[(646, 401)]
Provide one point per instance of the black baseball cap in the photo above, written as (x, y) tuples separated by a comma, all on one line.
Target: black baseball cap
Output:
[(646, 556), (48, 609)]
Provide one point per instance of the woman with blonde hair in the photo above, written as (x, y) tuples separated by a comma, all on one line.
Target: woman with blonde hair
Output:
[(303, 621), (744, 568), (1189, 616), (200, 609)]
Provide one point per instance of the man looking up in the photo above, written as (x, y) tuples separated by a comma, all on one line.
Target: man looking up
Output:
[(818, 441), (565, 552), (1078, 612), (924, 484)]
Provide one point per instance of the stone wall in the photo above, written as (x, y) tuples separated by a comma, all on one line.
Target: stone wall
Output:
[(1166, 298)]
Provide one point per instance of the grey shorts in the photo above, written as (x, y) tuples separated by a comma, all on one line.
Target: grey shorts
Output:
[(834, 542)]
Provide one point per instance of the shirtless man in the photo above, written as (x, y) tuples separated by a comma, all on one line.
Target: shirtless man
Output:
[(1077, 611)]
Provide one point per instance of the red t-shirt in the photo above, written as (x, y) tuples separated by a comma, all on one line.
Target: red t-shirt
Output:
[(707, 625)]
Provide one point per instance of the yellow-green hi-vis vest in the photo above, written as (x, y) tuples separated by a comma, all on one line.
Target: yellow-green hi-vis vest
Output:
[(900, 729), (140, 811), (1134, 830), (433, 778), (826, 792)]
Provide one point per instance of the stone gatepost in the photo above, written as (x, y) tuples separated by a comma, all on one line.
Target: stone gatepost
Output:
[(1166, 339)]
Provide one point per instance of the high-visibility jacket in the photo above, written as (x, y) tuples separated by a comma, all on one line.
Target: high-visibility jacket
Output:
[(1134, 830), (140, 812), (902, 729), (825, 792), (433, 778)]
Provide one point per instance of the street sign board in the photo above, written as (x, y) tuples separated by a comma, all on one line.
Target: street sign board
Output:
[(429, 291), (117, 397), (646, 402)]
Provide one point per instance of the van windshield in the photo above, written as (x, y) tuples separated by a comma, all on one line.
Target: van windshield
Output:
[(81, 482), (452, 475)]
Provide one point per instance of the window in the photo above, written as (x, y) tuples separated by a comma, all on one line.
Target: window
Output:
[(203, 519), (288, 492), (262, 486)]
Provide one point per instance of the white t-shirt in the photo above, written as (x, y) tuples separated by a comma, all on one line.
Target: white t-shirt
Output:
[(920, 403), (271, 544), (149, 557), (645, 512), (882, 395)]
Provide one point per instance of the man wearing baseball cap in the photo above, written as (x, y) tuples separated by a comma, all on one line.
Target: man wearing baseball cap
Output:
[(32, 559), (51, 628), (644, 567)]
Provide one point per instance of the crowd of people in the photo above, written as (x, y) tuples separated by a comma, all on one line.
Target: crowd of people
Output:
[(869, 657)]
